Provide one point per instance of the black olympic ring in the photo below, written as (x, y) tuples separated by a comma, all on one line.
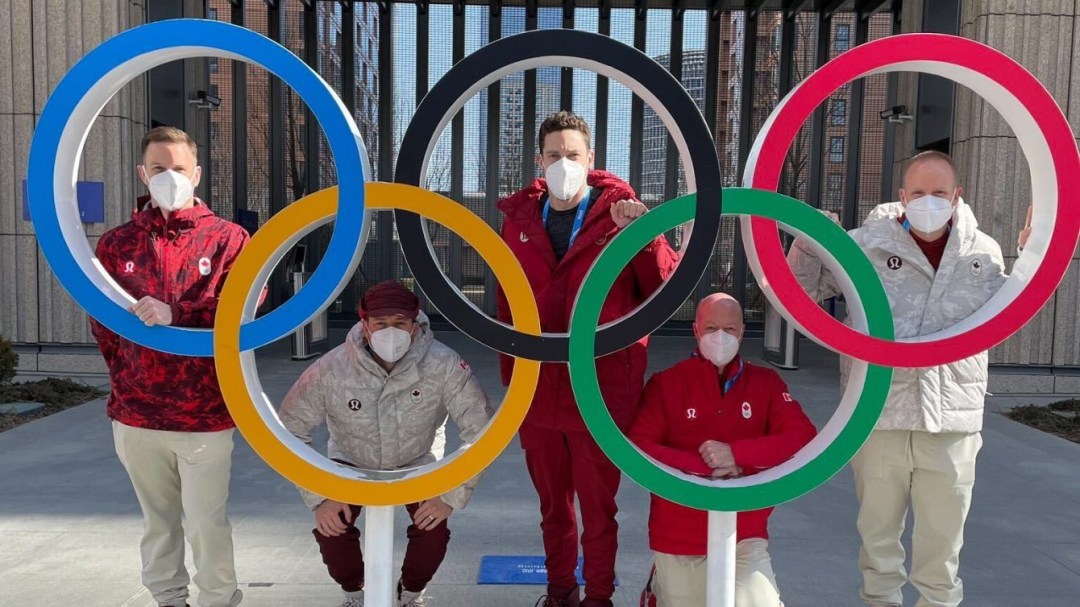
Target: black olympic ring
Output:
[(607, 57)]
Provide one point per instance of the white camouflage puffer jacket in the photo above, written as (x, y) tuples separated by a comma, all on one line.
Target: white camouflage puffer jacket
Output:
[(386, 421), (946, 398)]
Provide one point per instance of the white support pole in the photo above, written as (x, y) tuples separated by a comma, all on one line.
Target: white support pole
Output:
[(720, 564), (789, 347), (380, 585)]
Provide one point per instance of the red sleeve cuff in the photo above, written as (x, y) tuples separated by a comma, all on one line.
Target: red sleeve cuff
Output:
[(740, 450), (177, 314), (749, 455)]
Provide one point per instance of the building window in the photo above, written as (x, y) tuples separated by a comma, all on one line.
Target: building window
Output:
[(211, 13), (836, 149), (760, 115), (834, 186), (843, 37), (838, 113), (213, 63), (763, 80)]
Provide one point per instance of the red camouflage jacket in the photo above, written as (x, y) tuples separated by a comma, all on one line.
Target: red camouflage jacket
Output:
[(683, 407), (555, 286), (182, 262)]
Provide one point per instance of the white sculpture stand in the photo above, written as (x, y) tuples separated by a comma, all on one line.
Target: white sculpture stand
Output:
[(380, 583), (720, 563)]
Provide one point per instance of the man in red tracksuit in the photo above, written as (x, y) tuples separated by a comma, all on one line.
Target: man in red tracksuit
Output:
[(556, 228), (171, 429), (717, 416)]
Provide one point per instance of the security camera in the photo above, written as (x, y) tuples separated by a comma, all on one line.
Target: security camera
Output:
[(897, 114), (204, 100)]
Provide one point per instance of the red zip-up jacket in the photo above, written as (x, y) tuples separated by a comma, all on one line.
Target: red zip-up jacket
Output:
[(182, 262), (683, 407), (555, 285)]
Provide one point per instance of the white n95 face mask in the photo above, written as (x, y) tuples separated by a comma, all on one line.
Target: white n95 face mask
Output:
[(929, 213), (391, 343), (565, 178), (719, 347), (170, 190)]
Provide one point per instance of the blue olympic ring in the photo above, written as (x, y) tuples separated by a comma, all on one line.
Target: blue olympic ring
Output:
[(62, 130)]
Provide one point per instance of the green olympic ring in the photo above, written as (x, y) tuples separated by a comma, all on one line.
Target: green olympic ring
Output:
[(817, 462)]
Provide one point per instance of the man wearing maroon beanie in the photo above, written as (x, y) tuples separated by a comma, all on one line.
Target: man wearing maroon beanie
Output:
[(385, 395)]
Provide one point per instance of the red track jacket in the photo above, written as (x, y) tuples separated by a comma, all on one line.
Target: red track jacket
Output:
[(183, 263), (682, 407), (555, 286)]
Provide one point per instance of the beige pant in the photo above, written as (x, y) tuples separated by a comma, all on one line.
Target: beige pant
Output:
[(182, 476), (680, 580), (936, 472)]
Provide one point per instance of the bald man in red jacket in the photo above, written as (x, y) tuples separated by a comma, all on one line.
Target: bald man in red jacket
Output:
[(556, 228), (716, 415)]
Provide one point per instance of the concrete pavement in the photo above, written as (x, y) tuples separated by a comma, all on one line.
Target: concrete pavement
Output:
[(69, 522)]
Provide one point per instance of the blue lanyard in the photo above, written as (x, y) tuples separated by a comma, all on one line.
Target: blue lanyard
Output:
[(734, 378), (579, 218)]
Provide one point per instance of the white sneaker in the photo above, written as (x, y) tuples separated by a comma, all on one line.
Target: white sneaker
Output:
[(407, 598), (353, 601)]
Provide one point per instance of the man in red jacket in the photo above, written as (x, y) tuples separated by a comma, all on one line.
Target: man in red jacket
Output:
[(717, 416), (172, 431), (557, 227)]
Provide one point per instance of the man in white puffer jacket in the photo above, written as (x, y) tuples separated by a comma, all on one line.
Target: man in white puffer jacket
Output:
[(385, 395), (937, 269)]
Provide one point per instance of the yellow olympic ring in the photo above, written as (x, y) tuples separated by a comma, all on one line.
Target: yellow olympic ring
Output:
[(243, 282)]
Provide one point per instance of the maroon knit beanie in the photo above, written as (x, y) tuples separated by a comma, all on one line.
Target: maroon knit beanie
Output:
[(389, 298)]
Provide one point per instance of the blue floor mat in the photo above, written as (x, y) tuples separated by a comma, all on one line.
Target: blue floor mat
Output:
[(525, 570)]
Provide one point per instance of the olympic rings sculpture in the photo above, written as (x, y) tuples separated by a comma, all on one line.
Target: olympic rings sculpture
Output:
[(1043, 132)]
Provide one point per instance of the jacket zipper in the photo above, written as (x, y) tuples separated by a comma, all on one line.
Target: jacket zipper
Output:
[(164, 249)]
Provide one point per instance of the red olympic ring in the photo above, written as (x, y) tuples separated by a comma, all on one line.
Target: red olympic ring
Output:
[(1046, 139)]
